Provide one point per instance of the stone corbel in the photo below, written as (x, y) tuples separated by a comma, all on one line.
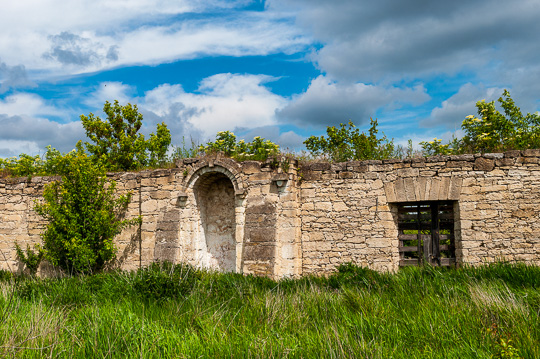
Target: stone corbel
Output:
[(182, 199), (280, 179)]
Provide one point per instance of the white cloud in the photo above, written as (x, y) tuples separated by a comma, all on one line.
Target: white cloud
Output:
[(372, 41), (32, 135), (109, 91), (222, 102), (12, 77), (91, 36), (327, 103), (27, 104), (453, 110)]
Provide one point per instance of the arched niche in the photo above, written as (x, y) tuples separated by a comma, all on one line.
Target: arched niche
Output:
[(215, 200)]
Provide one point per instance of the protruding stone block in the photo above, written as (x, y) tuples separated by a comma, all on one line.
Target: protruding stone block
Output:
[(483, 164)]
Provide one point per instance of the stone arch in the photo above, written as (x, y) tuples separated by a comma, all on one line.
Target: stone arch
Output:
[(215, 196), (226, 166)]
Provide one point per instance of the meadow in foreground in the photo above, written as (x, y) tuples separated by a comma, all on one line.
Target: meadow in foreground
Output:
[(167, 311)]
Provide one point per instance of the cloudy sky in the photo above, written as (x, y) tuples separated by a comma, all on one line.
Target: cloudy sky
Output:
[(281, 69)]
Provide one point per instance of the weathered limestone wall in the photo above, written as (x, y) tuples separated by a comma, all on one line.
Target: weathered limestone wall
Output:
[(278, 219), (211, 212), (18, 222), (348, 210)]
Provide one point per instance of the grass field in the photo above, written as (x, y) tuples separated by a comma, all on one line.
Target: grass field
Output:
[(176, 311)]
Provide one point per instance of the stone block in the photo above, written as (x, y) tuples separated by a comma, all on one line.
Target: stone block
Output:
[(444, 188), (410, 189), (317, 247), (408, 172), (484, 164), (493, 156), (400, 190), (346, 175), (527, 160), (512, 154), (531, 153), (259, 234), (319, 166), (389, 190), (323, 206), (256, 252), (250, 167), (434, 189), (455, 188), (339, 206)]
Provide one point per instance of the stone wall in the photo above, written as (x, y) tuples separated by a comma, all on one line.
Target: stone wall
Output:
[(212, 212), (278, 219), (349, 209)]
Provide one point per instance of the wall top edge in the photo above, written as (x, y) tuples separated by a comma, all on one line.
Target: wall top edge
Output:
[(478, 161)]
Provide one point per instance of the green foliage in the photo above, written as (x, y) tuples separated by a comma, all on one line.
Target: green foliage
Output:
[(349, 274), (22, 166), (5, 275), (185, 150), (493, 131), (164, 280), (52, 163), (420, 312), (259, 149), (117, 143), (435, 148), (348, 143), (32, 258), (83, 216)]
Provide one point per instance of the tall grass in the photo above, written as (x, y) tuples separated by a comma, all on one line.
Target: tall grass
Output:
[(177, 311)]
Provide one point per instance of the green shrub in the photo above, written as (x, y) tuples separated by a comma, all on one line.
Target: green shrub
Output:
[(31, 259), (83, 217), (493, 131), (117, 143), (5, 275), (259, 149), (164, 280), (22, 166), (348, 143)]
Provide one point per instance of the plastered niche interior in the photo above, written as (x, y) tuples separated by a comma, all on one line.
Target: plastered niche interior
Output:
[(212, 217), (214, 197)]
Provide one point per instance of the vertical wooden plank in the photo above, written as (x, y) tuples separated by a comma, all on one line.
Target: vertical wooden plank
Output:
[(435, 236)]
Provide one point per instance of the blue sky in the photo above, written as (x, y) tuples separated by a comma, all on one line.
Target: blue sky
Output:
[(280, 69)]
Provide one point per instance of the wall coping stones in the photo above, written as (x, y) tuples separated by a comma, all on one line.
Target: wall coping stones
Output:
[(478, 162), (513, 153)]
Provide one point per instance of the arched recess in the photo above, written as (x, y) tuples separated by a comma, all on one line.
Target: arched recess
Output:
[(217, 209)]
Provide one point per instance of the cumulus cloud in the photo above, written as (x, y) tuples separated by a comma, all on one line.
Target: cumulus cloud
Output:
[(71, 49), (110, 91), (28, 105), (31, 135), (452, 112), (100, 34), (327, 103), (222, 102), (12, 77), (369, 41)]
